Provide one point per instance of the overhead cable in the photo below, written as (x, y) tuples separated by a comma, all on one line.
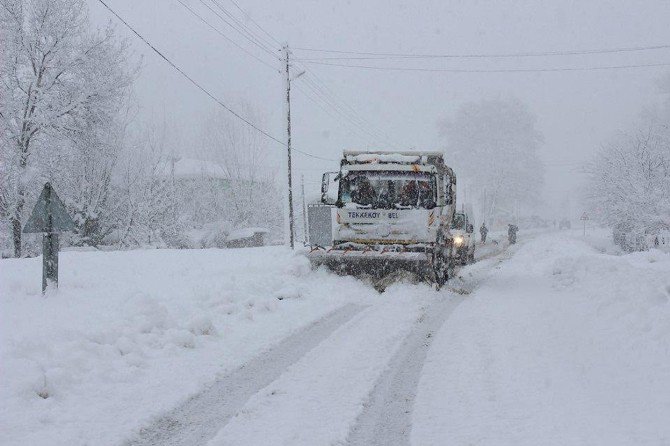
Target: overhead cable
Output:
[(367, 55), (204, 90), (494, 70)]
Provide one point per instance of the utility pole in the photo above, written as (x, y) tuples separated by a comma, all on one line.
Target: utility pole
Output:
[(288, 147), (304, 209)]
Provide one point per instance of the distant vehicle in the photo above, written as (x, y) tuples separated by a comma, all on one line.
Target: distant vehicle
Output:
[(564, 224), (462, 228), (393, 211)]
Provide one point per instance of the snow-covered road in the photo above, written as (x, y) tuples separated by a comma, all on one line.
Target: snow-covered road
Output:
[(564, 344), (553, 341)]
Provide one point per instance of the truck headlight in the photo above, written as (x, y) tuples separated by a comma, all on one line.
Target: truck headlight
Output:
[(458, 240)]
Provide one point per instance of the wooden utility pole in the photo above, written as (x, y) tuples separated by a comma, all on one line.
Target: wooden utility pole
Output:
[(288, 147)]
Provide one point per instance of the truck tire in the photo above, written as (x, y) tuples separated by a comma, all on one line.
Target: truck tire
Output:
[(442, 269)]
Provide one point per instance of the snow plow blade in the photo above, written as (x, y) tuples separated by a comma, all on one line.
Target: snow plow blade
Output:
[(373, 263)]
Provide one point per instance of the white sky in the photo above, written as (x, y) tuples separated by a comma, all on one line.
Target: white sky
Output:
[(577, 111)]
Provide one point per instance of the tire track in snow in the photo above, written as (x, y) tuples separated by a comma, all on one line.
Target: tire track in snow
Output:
[(203, 415), (387, 416)]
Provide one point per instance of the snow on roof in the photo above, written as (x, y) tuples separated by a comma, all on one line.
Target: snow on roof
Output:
[(191, 168)]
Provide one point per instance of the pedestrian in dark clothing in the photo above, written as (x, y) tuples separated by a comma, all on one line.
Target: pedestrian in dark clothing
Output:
[(511, 233), (483, 231)]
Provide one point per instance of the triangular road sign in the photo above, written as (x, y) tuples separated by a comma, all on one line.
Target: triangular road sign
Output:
[(49, 205)]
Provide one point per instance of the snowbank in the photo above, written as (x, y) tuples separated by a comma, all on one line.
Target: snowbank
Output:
[(131, 334), (563, 344)]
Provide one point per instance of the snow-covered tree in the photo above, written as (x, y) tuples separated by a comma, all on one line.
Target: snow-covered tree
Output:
[(630, 182), (63, 86), (244, 157), (493, 146), (146, 210), (629, 178)]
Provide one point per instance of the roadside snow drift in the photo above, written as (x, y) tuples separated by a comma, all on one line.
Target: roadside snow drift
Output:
[(562, 345), (129, 335)]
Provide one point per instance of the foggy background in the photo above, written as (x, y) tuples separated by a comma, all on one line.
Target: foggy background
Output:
[(576, 111)]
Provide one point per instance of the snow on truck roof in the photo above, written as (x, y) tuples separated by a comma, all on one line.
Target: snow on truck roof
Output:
[(356, 156), (379, 160)]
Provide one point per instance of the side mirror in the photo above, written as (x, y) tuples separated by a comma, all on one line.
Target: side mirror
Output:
[(329, 186)]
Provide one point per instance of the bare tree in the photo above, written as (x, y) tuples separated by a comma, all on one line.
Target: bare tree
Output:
[(61, 84)]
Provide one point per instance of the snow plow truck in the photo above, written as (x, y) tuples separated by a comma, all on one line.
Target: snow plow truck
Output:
[(392, 212)]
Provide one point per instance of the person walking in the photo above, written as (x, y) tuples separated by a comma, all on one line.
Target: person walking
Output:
[(511, 233), (483, 231)]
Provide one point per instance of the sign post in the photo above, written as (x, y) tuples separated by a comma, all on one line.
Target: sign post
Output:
[(50, 217), (584, 218)]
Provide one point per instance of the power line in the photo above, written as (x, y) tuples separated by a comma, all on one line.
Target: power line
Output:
[(337, 115), (314, 156), (218, 31), (201, 88), (321, 86), (254, 22), (497, 70), (372, 55), (350, 119), (329, 94), (242, 28), (343, 114)]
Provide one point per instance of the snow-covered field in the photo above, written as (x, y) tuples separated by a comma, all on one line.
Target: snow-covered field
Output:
[(564, 344), (130, 334), (554, 341)]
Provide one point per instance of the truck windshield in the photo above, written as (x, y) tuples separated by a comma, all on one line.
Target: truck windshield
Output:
[(400, 190)]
